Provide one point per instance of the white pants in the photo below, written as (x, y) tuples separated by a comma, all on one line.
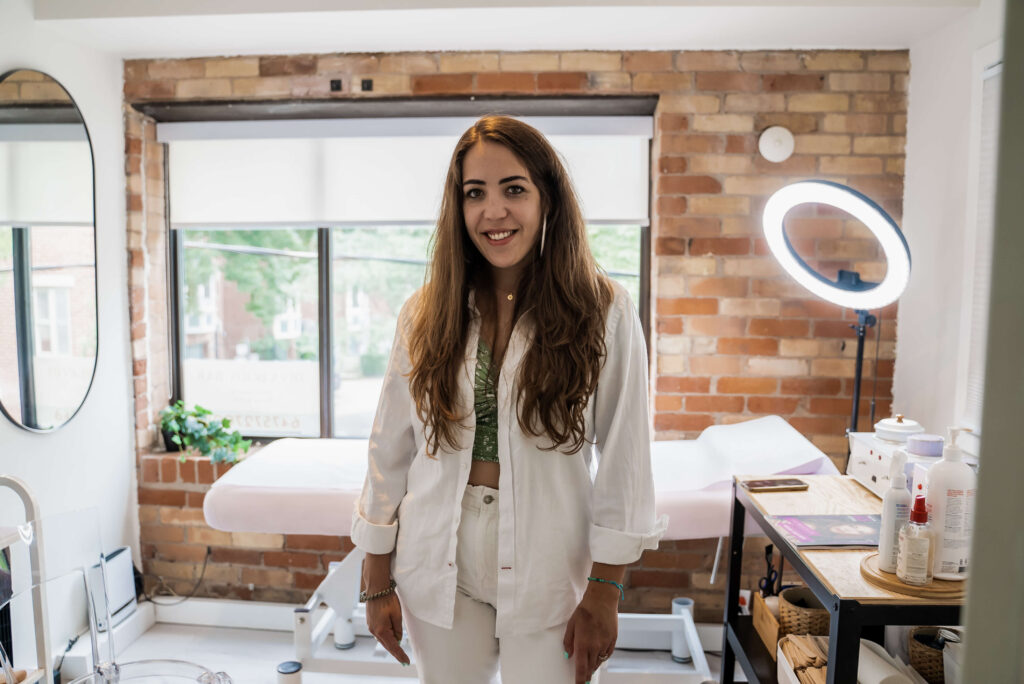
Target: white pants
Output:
[(469, 653)]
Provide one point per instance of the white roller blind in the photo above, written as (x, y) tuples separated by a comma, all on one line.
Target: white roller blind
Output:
[(45, 176), (385, 179), (255, 181), (611, 175), (333, 172)]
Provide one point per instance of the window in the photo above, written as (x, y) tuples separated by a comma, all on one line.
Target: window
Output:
[(52, 318), (978, 241), (201, 316), (257, 361), (58, 356), (375, 269), (257, 221)]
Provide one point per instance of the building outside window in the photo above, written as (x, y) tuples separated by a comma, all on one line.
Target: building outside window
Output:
[(52, 318)]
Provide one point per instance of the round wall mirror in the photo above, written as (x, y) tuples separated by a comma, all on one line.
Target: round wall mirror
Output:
[(47, 253)]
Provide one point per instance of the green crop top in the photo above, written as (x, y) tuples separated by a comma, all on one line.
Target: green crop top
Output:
[(485, 403)]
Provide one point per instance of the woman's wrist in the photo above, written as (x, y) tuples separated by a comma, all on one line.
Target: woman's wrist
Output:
[(605, 582), (376, 572), (367, 595), (605, 589)]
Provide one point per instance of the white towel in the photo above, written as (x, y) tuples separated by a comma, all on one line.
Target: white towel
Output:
[(875, 666)]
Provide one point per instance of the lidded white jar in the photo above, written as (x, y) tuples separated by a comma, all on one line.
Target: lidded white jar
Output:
[(897, 429)]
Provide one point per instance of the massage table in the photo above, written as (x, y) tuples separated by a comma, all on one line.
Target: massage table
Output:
[(309, 487)]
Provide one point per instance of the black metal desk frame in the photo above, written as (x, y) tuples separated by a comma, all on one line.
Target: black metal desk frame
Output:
[(849, 620)]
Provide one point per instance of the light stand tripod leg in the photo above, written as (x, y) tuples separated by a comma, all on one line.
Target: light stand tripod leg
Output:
[(864, 321)]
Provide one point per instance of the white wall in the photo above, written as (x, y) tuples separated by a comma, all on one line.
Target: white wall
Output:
[(89, 461), (934, 215)]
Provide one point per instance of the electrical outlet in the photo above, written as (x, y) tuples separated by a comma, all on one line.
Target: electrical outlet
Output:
[(335, 85), (367, 85)]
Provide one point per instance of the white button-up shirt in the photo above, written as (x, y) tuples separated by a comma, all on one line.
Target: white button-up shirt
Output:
[(557, 512)]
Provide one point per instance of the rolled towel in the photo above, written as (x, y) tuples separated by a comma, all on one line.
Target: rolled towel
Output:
[(872, 668)]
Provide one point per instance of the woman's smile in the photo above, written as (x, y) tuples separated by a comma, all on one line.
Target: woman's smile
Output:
[(500, 237)]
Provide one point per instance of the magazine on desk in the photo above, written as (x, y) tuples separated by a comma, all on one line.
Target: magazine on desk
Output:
[(828, 531)]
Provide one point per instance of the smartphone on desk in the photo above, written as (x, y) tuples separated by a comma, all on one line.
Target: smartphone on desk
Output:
[(789, 484)]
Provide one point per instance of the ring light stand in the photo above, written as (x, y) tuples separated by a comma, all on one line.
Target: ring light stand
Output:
[(848, 290)]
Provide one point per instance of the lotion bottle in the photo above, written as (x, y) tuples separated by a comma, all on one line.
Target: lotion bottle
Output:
[(895, 513), (952, 486), (914, 565)]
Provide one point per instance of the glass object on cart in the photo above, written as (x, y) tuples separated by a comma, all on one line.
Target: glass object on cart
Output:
[(156, 672)]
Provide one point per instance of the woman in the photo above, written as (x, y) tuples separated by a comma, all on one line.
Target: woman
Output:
[(510, 365)]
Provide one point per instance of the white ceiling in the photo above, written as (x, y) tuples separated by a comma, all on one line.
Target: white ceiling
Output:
[(184, 28)]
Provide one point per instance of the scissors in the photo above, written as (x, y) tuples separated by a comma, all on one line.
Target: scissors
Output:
[(771, 583)]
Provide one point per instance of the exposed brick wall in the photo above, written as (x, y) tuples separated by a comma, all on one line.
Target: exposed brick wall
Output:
[(733, 337), (147, 274), (175, 536), (32, 87)]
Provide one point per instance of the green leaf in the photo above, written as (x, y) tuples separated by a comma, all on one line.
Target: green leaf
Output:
[(196, 430)]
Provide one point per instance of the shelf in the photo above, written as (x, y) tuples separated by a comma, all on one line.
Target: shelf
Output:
[(751, 653)]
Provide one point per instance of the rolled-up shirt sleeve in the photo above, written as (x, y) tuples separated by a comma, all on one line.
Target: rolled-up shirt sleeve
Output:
[(624, 523), (392, 447)]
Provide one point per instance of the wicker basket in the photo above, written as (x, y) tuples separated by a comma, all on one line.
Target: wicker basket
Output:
[(796, 619), (925, 659)]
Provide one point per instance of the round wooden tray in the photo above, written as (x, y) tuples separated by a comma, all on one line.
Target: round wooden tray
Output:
[(936, 589)]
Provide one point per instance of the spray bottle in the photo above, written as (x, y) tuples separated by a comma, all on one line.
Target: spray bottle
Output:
[(914, 565), (895, 513)]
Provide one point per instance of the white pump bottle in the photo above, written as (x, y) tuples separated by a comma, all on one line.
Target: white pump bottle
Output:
[(952, 486), (895, 513)]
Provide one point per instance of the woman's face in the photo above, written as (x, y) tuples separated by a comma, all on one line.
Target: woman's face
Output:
[(500, 204)]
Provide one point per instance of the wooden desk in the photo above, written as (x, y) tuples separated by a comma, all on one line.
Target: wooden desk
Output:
[(834, 576)]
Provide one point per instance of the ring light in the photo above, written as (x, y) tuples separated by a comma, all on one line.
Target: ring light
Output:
[(847, 292)]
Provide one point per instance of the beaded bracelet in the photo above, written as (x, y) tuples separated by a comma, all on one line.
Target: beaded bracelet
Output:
[(363, 597), (622, 592)]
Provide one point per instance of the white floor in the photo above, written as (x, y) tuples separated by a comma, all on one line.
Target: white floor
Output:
[(250, 656)]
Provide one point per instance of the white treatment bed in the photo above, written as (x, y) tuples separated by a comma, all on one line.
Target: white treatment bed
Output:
[(309, 486)]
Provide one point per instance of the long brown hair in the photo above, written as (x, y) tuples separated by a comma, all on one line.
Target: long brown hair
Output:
[(562, 291)]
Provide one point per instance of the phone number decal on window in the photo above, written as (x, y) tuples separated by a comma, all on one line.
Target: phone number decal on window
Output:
[(290, 424)]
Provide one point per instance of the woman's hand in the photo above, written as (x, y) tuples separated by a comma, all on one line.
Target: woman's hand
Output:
[(384, 620), (384, 614), (592, 630)]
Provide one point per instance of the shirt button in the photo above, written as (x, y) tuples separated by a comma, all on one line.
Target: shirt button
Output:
[(488, 499)]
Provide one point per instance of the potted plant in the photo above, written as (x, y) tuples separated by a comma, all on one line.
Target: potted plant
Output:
[(195, 429)]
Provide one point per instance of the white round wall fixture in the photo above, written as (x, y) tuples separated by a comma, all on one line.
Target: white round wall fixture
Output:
[(897, 253), (776, 144)]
